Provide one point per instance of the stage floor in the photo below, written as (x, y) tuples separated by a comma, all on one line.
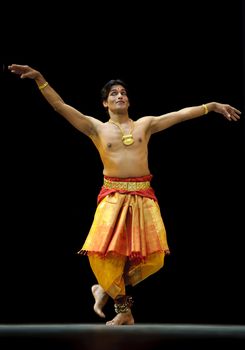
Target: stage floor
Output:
[(102, 337)]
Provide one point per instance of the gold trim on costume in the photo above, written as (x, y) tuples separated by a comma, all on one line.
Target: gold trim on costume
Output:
[(126, 186)]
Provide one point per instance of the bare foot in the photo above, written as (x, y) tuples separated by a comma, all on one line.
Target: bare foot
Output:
[(123, 318), (101, 299)]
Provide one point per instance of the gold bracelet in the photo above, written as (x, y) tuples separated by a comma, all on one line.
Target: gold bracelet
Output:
[(205, 109), (43, 86)]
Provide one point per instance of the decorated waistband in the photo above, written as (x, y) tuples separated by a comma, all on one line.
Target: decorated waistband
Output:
[(126, 185)]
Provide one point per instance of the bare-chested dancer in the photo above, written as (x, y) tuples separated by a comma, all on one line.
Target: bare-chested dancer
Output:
[(127, 241)]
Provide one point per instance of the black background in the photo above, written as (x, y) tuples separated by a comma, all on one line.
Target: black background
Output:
[(172, 56)]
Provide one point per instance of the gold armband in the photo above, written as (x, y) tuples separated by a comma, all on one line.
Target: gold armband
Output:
[(43, 86), (205, 109)]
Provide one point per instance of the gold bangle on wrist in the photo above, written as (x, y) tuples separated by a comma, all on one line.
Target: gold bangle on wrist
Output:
[(205, 109), (43, 86)]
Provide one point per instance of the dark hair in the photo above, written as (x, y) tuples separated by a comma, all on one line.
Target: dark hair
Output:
[(107, 88)]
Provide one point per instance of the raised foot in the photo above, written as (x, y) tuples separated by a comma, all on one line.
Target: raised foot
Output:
[(101, 299), (123, 318)]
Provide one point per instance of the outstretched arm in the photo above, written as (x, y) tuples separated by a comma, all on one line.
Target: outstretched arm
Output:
[(87, 125), (166, 120)]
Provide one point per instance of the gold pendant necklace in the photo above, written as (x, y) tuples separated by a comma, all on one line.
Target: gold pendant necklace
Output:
[(128, 138)]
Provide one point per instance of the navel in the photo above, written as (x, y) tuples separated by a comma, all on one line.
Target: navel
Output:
[(109, 145)]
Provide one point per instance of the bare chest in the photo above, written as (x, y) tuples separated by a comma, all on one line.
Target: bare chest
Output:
[(114, 139)]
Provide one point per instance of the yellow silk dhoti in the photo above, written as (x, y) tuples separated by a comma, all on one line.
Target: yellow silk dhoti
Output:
[(127, 241)]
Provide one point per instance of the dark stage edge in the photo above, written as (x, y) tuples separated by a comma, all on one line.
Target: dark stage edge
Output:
[(140, 336)]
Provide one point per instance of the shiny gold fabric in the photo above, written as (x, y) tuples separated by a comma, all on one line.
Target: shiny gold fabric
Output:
[(127, 241)]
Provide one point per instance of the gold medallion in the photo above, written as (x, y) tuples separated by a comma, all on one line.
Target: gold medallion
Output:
[(128, 139)]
